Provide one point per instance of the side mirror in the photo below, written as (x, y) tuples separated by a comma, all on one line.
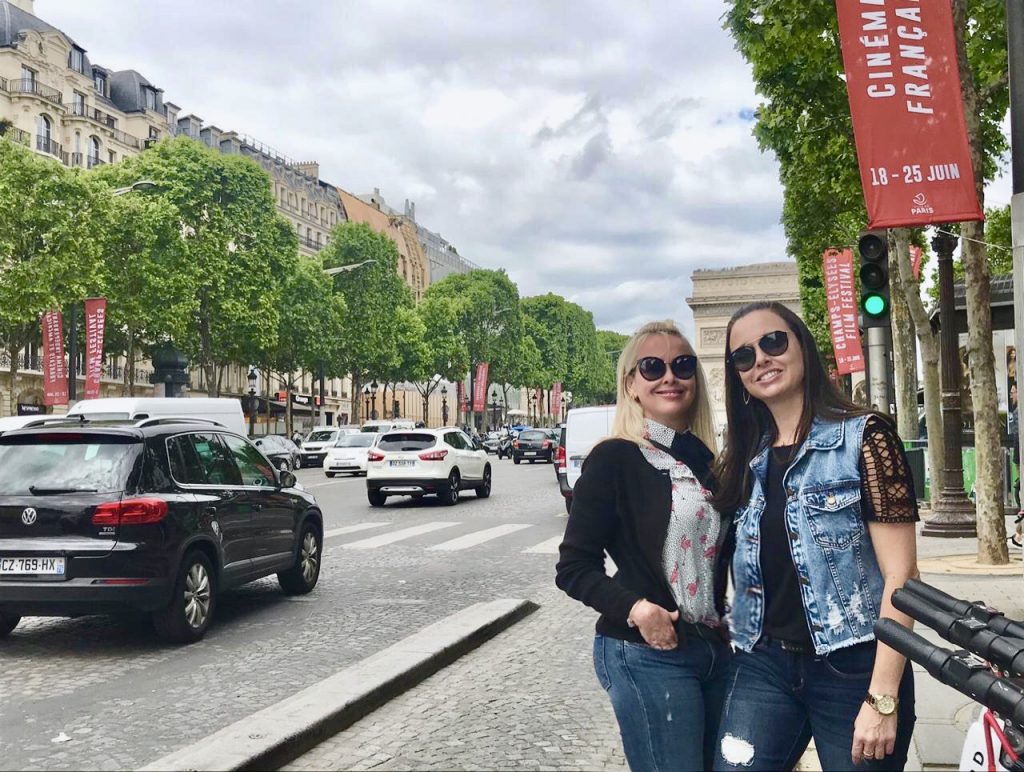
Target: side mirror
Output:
[(287, 480)]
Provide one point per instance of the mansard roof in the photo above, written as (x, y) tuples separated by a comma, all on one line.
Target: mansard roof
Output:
[(14, 21)]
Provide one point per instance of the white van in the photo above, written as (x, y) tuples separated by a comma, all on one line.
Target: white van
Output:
[(12, 422), (388, 425), (584, 428), (223, 410)]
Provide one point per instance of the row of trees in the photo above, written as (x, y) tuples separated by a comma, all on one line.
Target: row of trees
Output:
[(804, 119), (202, 260)]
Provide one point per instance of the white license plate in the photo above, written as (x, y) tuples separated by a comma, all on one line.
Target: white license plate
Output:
[(401, 463), (9, 566), (530, 453)]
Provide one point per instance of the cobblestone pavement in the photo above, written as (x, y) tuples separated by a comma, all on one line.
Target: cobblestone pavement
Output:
[(526, 700)]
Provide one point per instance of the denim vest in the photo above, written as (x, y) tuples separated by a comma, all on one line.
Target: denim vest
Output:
[(840, 582)]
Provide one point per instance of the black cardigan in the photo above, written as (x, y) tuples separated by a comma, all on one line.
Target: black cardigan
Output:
[(622, 504)]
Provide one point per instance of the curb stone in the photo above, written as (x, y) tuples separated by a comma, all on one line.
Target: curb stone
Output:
[(272, 737)]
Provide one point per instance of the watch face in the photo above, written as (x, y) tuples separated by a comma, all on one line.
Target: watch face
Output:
[(886, 705)]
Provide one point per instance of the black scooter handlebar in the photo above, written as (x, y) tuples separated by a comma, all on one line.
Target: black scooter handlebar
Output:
[(992, 619)]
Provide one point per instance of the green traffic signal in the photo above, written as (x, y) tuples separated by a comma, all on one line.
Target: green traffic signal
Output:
[(875, 305)]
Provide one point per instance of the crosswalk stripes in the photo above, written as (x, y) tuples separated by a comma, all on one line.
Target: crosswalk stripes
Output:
[(353, 528), (549, 547), (391, 538), (479, 537)]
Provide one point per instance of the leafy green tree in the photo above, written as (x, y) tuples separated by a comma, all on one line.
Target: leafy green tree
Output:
[(445, 352), (373, 294), (567, 340), (611, 345), (50, 254)]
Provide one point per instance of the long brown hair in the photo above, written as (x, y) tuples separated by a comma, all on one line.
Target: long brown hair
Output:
[(750, 422)]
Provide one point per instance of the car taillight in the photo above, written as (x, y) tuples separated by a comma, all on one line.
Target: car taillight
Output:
[(130, 512), (433, 455), (374, 455), (560, 456), (515, 443)]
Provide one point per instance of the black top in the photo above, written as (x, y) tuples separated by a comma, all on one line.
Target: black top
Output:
[(887, 495), (622, 504)]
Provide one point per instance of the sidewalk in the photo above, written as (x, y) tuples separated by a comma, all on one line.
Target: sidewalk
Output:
[(528, 700)]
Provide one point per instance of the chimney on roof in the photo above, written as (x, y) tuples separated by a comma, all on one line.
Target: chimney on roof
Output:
[(412, 211), (309, 168), (25, 5)]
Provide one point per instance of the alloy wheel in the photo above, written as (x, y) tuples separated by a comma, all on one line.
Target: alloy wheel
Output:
[(310, 557), (197, 595)]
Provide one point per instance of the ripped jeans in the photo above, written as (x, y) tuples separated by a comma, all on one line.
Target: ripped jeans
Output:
[(780, 699), (668, 703)]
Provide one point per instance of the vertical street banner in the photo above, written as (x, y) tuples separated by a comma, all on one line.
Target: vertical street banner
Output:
[(460, 397), (480, 387), (55, 370), (903, 82), (556, 400), (95, 324), (841, 297)]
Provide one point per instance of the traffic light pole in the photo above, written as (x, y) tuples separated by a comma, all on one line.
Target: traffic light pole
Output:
[(878, 368)]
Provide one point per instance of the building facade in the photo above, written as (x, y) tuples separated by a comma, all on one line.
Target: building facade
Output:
[(717, 294)]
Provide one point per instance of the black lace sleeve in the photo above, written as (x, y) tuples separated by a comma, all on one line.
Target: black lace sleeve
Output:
[(887, 486)]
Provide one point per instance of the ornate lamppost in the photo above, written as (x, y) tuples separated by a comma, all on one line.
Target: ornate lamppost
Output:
[(444, 405), (253, 401), (373, 400), (366, 401), (533, 408), (495, 407)]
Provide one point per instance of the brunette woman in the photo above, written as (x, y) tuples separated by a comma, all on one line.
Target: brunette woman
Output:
[(660, 652), (825, 513)]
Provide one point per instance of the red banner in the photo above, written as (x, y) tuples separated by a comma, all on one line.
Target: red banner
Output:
[(95, 323), (55, 370), (841, 295), (480, 387), (908, 118), (915, 260), (460, 395), (556, 400)]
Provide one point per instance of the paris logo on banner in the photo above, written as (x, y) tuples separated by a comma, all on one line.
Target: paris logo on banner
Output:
[(55, 369), (903, 83), (841, 296), (95, 323), (480, 387)]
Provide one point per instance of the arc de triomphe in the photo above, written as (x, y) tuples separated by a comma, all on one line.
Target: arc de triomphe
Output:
[(717, 293)]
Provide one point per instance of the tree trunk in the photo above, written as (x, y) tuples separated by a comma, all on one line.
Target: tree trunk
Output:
[(988, 484), (289, 427), (269, 408), (904, 350), (12, 372), (357, 398), (929, 343)]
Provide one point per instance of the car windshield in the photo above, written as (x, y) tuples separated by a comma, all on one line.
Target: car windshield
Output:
[(534, 435), (321, 436), (355, 441), (43, 465), (407, 441)]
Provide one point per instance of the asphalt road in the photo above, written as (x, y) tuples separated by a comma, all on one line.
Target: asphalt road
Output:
[(104, 693)]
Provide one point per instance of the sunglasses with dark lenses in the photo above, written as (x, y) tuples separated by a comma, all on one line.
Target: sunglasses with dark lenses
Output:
[(684, 367), (773, 344)]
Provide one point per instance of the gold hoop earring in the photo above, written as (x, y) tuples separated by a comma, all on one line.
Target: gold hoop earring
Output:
[(746, 397)]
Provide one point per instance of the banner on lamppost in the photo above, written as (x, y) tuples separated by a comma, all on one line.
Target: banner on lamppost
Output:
[(903, 83), (556, 400), (480, 387), (841, 297), (95, 323), (55, 370), (460, 395)]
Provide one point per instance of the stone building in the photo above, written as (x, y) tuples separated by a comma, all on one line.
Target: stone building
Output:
[(717, 293)]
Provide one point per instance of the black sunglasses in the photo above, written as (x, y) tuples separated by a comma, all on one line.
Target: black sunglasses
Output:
[(684, 367), (773, 344)]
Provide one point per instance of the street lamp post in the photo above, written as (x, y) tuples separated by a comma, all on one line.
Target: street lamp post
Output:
[(495, 407), (322, 374), (253, 402), (373, 398), (533, 408), (444, 405), (366, 401)]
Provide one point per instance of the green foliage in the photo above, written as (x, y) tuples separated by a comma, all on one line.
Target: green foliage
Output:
[(1000, 239), (568, 345), (312, 318), (446, 351), (611, 345)]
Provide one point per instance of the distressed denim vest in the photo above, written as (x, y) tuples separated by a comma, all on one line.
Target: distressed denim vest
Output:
[(840, 582)]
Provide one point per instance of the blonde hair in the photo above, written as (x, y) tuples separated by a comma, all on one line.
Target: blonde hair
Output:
[(629, 415)]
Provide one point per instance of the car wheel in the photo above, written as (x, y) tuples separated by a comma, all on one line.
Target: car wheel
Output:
[(283, 466), (450, 497), (376, 498), (302, 577), (515, 460), (484, 491), (188, 615), (298, 463), (7, 623), (329, 474)]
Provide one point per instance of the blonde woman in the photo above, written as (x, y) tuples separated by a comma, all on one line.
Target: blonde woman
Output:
[(643, 497)]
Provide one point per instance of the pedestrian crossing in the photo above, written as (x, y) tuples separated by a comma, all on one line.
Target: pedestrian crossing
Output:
[(357, 536)]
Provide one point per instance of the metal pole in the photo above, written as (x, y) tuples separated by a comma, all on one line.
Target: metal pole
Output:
[(1015, 45), (323, 407), (878, 387), (954, 514)]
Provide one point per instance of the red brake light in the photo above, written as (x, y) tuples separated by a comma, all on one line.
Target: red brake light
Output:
[(560, 456), (374, 455), (130, 512), (515, 443), (433, 455)]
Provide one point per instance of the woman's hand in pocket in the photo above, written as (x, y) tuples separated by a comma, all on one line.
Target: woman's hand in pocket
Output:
[(656, 625)]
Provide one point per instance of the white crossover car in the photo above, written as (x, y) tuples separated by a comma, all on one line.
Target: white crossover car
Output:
[(348, 454), (417, 462)]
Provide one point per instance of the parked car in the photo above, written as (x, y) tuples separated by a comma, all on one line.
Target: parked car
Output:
[(158, 515), (533, 445), (426, 461), (348, 455), (281, 451), (315, 445), (584, 428)]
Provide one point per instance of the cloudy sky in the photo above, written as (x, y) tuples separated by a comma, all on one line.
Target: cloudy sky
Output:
[(601, 151)]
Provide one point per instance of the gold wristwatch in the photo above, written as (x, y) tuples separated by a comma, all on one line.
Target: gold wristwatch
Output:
[(885, 704)]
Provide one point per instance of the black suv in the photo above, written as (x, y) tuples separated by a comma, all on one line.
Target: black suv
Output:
[(534, 445), (157, 516)]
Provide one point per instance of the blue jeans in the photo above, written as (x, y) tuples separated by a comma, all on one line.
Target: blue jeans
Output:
[(668, 703), (779, 700)]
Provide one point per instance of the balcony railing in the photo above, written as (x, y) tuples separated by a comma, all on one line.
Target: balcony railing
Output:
[(3, 84), (127, 139), (47, 145), (33, 86), (92, 162), (310, 243), (77, 159), (19, 136)]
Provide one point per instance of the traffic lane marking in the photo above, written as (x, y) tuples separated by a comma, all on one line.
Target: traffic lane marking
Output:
[(353, 528), (479, 537), (404, 533), (548, 547)]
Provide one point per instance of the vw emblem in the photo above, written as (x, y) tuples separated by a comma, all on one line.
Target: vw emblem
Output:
[(28, 517)]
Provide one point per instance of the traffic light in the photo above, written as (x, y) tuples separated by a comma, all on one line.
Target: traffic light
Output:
[(875, 301)]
